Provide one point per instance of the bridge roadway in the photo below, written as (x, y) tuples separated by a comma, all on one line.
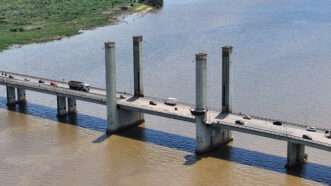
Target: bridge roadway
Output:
[(254, 125)]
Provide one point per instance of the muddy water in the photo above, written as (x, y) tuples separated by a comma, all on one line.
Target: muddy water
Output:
[(37, 151), (280, 69)]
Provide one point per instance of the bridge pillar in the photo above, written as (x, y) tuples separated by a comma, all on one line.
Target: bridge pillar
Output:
[(226, 106), (21, 96), (203, 132), (116, 118), (61, 105), (138, 71), (207, 137), (11, 95), (226, 52), (295, 154), (72, 106)]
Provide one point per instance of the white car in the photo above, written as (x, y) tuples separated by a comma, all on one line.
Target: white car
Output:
[(171, 101)]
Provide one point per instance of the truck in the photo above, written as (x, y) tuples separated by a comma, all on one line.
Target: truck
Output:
[(78, 85)]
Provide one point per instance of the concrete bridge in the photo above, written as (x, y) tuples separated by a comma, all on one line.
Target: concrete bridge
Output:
[(213, 128)]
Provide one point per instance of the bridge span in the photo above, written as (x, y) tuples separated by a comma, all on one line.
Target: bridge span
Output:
[(213, 127)]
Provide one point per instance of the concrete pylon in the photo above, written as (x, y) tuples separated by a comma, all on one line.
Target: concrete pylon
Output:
[(225, 135), (61, 105), (207, 137), (117, 118), (226, 52), (11, 95), (112, 112), (21, 95), (295, 154), (138, 70), (203, 132), (72, 105), (137, 66)]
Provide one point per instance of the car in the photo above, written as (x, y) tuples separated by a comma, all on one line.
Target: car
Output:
[(53, 84), (305, 136), (11, 77), (41, 81), (78, 85), (328, 134), (278, 123), (152, 103), (311, 129), (247, 117), (25, 79), (239, 122), (171, 101)]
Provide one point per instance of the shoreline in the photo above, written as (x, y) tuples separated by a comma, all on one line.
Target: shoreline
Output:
[(27, 34)]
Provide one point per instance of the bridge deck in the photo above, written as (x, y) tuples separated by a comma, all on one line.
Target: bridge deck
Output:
[(255, 126)]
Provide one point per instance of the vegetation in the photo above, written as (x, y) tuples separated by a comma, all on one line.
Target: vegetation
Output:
[(26, 21)]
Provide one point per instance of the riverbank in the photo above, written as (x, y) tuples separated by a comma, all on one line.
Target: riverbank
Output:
[(31, 21)]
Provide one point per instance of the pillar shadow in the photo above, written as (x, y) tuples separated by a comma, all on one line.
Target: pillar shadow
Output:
[(102, 138), (310, 171)]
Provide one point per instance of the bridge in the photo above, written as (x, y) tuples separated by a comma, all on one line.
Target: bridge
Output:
[(213, 128)]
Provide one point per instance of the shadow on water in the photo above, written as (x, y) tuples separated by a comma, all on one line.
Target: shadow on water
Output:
[(311, 171)]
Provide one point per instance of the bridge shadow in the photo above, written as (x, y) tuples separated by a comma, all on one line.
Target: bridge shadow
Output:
[(310, 171)]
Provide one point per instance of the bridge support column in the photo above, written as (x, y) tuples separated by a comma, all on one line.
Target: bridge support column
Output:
[(203, 132), (226, 106), (61, 105), (11, 96), (226, 52), (207, 137), (21, 96), (72, 106), (117, 119), (138, 72), (295, 154)]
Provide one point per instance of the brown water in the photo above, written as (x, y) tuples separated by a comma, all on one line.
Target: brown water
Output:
[(37, 151), (281, 69)]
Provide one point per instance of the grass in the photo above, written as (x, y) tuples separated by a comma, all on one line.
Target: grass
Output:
[(28, 21)]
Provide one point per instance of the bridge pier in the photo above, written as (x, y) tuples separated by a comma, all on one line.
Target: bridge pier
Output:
[(226, 106), (295, 154), (226, 52), (117, 118), (11, 95), (207, 137), (72, 105), (61, 105), (21, 95), (138, 73)]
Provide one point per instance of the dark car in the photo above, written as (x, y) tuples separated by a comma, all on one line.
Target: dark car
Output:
[(278, 123), (77, 85), (305, 136), (53, 84), (239, 122), (152, 103), (41, 81)]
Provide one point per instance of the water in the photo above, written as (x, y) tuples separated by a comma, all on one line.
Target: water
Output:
[(280, 70)]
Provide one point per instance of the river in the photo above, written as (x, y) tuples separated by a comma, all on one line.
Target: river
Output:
[(281, 69)]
